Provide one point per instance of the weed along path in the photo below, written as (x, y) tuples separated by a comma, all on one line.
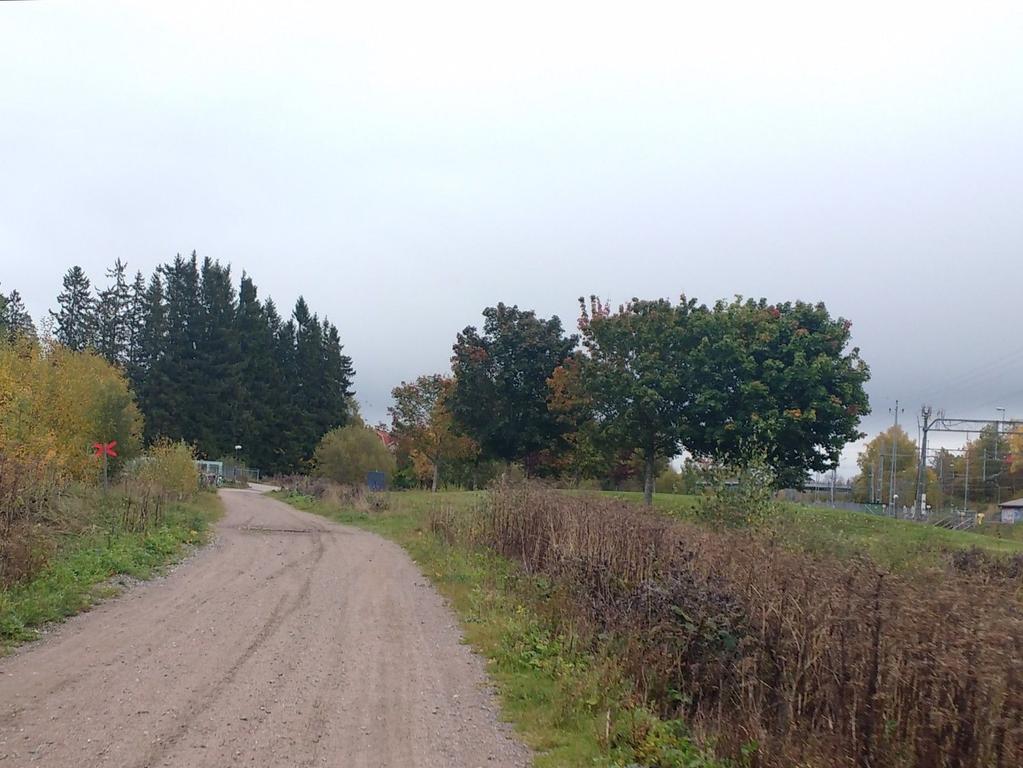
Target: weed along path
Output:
[(291, 641)]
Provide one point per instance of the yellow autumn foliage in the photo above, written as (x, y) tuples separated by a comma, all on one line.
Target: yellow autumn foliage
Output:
[(55, 403), (168, 468), (1016, 447)]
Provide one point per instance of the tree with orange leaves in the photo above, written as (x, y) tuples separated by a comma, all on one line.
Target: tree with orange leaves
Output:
[(421, 421)]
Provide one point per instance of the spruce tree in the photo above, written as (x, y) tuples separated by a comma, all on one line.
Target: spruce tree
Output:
[(177, 394), (339, 376), (15, 321), (135, 318), (256, 419), (289, 433), (218, 363), (76, 315), (112, 307), (311, 379), (150, 375)]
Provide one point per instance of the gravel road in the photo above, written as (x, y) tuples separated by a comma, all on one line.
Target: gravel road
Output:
[(291, 641)]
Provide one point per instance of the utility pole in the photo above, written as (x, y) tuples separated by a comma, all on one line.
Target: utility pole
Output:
[(921, 469), (998, 462), (878, 498), (966, 480), (895, 442)]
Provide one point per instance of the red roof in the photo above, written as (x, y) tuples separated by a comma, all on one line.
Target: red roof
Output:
[(389, 441)]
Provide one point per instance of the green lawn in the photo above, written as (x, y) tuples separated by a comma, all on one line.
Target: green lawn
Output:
[(896, 544), (98, 549)]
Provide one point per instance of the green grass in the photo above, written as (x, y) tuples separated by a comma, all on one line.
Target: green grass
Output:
[(76, 575), (570, 705), (900, 545)]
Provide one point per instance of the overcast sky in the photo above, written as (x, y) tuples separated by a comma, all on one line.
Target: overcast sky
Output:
[(405, 165)]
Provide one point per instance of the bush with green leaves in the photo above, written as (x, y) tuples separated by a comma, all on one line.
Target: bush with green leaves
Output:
[(347, 454)]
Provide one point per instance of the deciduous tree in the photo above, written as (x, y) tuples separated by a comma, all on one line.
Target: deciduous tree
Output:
[(420, 418), (779, 381), (640, 375), (500, 393)]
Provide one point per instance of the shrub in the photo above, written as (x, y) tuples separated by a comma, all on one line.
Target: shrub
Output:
[(167, 469), (347, 454), (54, 404)]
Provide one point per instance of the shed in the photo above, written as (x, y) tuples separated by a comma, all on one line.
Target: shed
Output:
[(1012, 511)]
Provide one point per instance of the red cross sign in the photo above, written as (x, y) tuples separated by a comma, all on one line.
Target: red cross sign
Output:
[(104, 449)]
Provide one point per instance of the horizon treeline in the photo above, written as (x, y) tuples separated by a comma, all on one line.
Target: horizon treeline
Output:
[(772, 390), (212, 365)]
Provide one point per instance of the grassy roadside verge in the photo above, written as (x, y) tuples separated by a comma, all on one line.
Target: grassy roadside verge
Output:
[(85, 559), (573, 707), (901, 545)]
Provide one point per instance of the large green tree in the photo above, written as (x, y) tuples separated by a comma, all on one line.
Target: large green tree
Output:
[(778, 381), (135, 320), (641, 375), (219, 364), (112, 321), (149, 375), (255, 417), (500, 393), (15, 321), (178, 402), (75, 317)]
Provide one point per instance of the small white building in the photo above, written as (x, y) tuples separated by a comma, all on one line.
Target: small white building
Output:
[(1012, 511)]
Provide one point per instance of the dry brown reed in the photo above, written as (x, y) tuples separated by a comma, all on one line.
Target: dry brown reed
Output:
[(816, 661)]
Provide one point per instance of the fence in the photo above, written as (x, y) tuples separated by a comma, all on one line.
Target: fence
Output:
[(953, 518)]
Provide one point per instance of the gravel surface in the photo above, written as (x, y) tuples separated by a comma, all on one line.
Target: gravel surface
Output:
[(291, 641)]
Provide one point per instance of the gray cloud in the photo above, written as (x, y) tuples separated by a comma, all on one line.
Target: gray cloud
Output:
[(403, 167)]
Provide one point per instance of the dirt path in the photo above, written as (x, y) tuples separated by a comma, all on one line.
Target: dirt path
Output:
[(290, 642)]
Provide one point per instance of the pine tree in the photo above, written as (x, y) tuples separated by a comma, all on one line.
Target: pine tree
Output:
[(76, 316), (112, 307), (15, 321)]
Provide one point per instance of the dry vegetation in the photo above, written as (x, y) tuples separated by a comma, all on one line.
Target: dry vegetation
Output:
[(40, 506), (786, 657), (332, 493)]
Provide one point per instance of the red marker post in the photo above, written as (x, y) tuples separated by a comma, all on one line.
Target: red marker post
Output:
[(105, 450)]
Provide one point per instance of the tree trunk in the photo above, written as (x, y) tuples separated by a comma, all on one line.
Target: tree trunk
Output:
[(436, 475), (648, 478)]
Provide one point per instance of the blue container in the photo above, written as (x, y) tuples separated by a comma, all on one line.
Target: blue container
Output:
[(377, 481)]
